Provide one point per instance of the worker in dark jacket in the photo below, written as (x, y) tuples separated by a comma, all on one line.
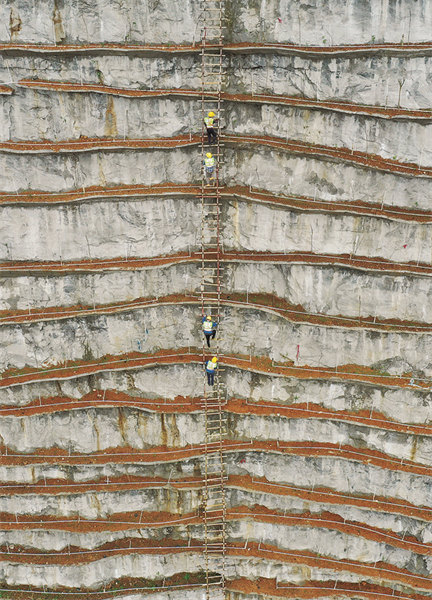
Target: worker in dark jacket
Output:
[(211, 366), (210, 123), (209, 328)]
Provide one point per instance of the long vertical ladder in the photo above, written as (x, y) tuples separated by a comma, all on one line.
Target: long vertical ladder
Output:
[(214, 398)]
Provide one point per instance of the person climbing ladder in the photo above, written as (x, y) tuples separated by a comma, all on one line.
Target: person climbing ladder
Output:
[(209, 165), (209, 328), (210, 123), (211, 366)]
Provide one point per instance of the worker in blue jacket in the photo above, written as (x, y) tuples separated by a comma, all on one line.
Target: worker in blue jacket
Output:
[(209, 328)]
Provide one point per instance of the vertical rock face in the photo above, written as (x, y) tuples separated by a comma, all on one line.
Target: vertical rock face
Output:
[(326, 328)]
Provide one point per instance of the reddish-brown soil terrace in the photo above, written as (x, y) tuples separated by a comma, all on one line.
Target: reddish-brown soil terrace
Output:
[(259, 514), (263, 364), (312, 590), (180, 582), (364, 159), (161, 454), (264, 302), (383, 571), (396, 48), (363, 263), (304, 203), (317, 494), (109, 397), (372, 161), (84, 144)]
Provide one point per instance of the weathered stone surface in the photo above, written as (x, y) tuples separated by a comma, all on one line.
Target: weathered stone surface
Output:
[(277, 229), (160, 21), (284, 173), (22, 292), (127, 228), (336, 290), (92, 337), (101, 229), (381, 79)]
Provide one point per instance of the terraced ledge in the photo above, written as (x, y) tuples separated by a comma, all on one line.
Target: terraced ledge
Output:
[(306, 103), (260, 586), (318, 494), (180, 582), (109, 48), (110, 397), (92, 144), (261, 302), (259, 514), (383, 571), (371, 161), (152, 520), (311, 590), (306, 203), (422, 48), (362, 263), (163, 454), (97, 192), (263, 364), (330, 496)]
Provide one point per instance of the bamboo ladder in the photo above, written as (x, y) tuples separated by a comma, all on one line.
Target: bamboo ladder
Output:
[(214, 398)]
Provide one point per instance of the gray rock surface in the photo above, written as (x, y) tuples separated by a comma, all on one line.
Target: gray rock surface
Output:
[(34, 417)]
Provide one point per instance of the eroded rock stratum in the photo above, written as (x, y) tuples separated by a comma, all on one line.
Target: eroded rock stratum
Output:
[(325, 230)]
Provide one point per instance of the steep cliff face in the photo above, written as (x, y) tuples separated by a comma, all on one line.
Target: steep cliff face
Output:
[(326, 332)]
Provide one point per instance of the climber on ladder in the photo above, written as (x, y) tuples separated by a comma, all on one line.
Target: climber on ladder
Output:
[(211, 366), (209, 328), (210, 123), (209, 164)]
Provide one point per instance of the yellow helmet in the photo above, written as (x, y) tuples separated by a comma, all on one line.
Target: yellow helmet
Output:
[(211, 114), (214, 359), (209, 154), (208, 318)]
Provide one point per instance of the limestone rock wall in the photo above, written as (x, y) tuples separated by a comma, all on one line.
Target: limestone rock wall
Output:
[(325, 329)]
